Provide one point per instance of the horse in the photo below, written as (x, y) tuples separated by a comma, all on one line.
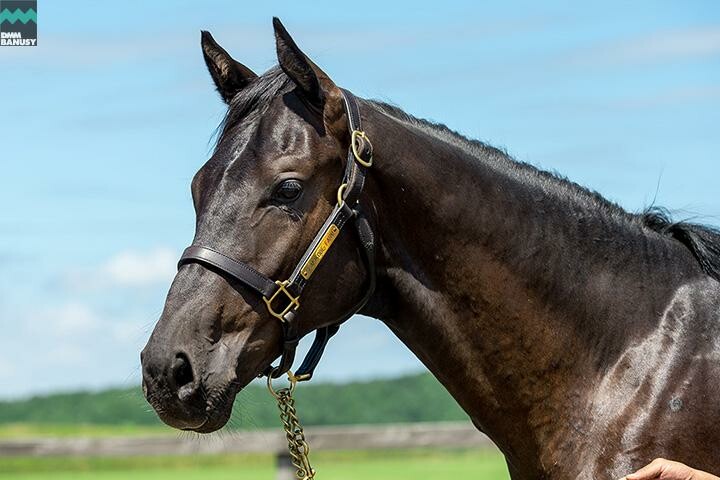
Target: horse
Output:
[(583, 339)]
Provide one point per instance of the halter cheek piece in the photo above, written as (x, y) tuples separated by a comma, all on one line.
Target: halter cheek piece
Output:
[(282, 298)]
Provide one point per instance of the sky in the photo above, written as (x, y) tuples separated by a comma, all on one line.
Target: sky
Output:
[(104, 123)]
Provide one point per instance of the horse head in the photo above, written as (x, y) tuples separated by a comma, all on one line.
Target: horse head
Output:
[(261, 199)]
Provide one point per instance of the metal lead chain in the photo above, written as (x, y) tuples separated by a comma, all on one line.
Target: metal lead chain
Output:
[(297, 445)]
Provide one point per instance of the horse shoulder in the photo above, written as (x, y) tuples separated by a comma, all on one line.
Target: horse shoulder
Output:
[(660, 397)]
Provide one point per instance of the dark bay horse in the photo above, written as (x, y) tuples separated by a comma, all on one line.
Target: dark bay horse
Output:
[(583, 339)]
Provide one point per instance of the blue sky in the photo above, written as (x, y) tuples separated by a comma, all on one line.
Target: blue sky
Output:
[(104, 123)]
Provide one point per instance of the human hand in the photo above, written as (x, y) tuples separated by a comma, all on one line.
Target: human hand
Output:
[(661, 469)]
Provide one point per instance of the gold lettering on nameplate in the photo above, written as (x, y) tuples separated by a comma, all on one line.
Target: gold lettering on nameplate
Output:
[(311, 264)]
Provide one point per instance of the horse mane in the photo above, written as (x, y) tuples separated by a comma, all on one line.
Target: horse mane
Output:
[(702, 241), (549, 181)]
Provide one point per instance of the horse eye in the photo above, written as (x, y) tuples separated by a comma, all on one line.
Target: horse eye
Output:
[(288, 191)]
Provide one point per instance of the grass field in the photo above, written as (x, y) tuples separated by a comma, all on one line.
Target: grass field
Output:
[(395, 465), (123, 412)]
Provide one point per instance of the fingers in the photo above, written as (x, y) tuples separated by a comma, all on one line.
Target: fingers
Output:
[(652, 470)]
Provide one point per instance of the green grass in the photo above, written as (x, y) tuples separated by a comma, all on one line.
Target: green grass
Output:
[(395, 465)]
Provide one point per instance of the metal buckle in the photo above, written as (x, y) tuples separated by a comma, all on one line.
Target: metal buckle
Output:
[(353, 144), (293, 304)]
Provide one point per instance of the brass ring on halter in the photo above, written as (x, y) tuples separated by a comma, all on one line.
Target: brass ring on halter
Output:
[(294, 301), (353, 144), (291, 378), (340, 192)]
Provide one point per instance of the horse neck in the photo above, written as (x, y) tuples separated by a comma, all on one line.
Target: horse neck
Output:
[(504, 285)]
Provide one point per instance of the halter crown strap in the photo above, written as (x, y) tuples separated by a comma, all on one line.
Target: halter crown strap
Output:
[(282, 298)]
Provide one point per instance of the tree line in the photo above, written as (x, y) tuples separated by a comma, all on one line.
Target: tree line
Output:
[(411, 398)]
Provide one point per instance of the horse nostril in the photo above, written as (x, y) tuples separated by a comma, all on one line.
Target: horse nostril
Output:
[(182, 373)]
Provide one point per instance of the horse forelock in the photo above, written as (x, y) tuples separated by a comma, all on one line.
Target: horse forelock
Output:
[(253, 100)]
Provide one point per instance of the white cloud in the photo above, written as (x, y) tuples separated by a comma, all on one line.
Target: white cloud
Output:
[(675, 44), (129, 332), (676, 96), (658, 47), (68, 355), (132, 268), (128, 269), (68, 319), (79, 321), (75, 317)]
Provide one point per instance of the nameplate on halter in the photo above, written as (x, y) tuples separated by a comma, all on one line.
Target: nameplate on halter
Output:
[(320, 251)]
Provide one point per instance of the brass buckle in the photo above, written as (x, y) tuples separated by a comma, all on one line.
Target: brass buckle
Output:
[(294, 302), (353, 145)]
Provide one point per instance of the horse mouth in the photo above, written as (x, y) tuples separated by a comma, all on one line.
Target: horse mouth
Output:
[(218, 411), (196, 428), (212, 423), (206, 416)]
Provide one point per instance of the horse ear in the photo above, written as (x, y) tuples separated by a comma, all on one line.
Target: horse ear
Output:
[(229, 76), (313, 83)]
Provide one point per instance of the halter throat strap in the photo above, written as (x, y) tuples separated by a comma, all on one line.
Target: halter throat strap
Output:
[(282, 298)]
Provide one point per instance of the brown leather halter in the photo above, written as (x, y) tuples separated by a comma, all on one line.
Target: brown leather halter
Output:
[(282, 298)]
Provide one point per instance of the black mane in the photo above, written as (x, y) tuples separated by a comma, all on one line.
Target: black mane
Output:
[(551, 182), (703, 241)]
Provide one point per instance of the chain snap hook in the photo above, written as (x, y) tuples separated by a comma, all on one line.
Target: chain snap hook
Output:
[(290, 388), (294, 433)]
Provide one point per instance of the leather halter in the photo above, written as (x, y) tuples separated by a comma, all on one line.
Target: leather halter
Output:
[(282, 298)]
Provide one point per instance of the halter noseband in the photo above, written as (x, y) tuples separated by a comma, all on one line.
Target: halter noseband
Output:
[(282, 298)]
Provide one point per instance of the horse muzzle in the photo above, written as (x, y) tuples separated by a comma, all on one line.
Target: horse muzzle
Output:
[(172, 388)]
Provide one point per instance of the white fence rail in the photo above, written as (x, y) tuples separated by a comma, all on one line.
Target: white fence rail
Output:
[(375, 437)]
